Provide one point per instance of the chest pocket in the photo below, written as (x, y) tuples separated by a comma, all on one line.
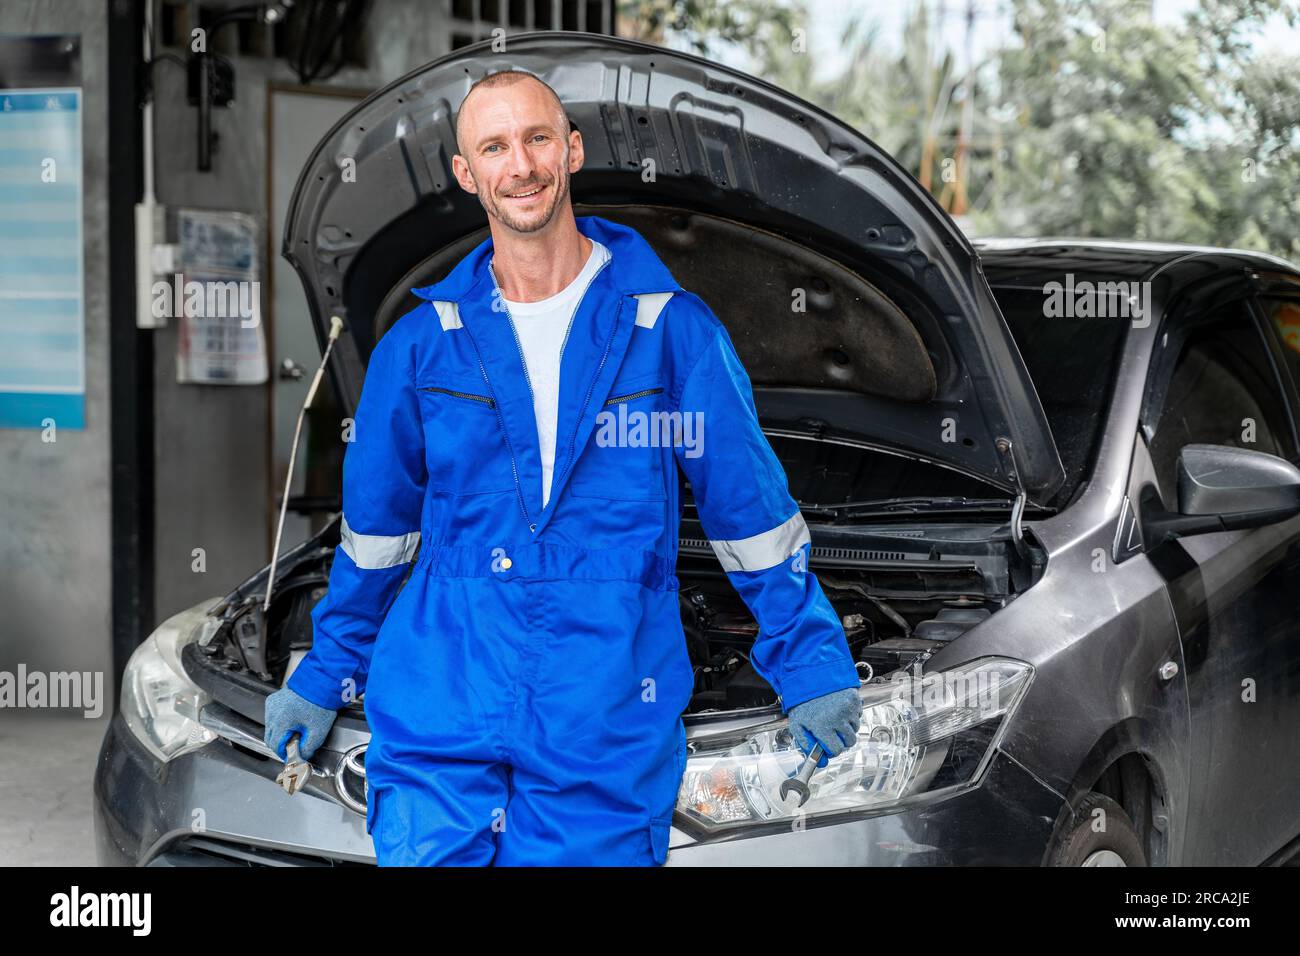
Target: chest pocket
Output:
[(465, 447), (624, 457)]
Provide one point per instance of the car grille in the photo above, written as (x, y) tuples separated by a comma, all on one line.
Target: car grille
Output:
[(206, 851), (702, 546)]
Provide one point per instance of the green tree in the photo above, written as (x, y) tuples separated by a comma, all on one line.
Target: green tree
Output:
[(1116, 126), (705, 25), (1090, 120)]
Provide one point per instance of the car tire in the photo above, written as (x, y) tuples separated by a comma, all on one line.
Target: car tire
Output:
[(1079, 844)]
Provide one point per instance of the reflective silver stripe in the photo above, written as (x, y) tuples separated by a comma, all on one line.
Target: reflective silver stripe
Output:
[(374, 551), (448, 315), (763, 551), (648, 307)]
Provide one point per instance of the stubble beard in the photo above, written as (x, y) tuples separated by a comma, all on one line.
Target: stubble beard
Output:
[(498, 211)]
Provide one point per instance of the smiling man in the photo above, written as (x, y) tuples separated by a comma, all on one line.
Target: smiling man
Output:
[(525, 687)]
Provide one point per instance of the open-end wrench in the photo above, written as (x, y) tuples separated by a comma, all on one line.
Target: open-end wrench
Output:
[(799, 782), (296, 770)]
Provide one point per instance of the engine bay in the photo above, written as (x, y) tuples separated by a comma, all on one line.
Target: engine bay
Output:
[(901, 593), (899, 599)]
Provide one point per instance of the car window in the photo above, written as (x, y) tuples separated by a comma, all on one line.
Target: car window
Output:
[(1284, 316), (1072, 363), (1221, 390)]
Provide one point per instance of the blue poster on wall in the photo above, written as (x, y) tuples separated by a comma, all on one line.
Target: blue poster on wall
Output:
[(42, 344)]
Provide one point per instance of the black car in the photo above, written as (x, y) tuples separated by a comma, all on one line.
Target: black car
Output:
[(1051, 486)]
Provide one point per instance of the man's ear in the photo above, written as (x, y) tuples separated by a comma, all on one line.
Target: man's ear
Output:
[(460, 169), (577, 156)]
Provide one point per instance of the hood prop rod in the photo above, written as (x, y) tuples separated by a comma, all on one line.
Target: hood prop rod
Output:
[(336, 326), (1018, 506)]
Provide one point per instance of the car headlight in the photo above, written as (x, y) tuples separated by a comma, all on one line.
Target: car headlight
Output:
[(159, 702), (921, 738)]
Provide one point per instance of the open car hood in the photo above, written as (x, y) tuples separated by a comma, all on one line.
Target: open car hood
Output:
[(858, 308)]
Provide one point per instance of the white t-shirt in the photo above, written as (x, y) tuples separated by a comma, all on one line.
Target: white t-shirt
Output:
[(541, 328)]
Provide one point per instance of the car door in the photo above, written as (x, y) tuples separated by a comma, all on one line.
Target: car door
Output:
[(1234, 593)]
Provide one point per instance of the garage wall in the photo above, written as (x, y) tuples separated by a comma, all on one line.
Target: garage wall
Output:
[(55, 585), (210, 442), (211, 453)]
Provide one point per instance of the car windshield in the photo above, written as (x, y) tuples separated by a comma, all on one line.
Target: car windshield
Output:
[(1072, 362)]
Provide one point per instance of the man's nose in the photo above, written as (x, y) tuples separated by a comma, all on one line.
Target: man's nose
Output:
[(521, 162)]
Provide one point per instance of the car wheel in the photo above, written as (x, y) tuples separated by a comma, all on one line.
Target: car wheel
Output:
[(1080, 843)]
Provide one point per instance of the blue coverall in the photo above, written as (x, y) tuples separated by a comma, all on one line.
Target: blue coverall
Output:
[(525, 687)]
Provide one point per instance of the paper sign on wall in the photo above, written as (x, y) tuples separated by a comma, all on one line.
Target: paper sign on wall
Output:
[(218, 300)]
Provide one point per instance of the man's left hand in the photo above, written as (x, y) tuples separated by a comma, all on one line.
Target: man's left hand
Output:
[(830, 720)]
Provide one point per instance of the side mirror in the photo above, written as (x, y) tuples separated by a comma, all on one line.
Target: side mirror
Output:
[(1222, 488)]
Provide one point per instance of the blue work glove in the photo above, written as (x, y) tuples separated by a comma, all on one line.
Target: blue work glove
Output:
[(289, 713), (830, 720)]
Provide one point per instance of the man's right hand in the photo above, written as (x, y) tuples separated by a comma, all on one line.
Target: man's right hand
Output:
[(288, 713)]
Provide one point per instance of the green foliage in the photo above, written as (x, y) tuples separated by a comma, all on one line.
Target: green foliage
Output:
[(1089, 120), (1117, 126), (752, 25)]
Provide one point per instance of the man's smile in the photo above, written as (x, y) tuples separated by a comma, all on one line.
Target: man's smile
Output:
[(526, 195)]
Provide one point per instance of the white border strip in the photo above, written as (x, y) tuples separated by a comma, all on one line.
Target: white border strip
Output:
[(448, 314), (648, 307), (372, 552), (762, 551)]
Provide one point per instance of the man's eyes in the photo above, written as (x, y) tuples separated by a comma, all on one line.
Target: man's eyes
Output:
[(495, 146)]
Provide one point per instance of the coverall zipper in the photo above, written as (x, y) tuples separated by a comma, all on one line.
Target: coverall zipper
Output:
[(491, 402), (641, 394), (501, 422), (609, 342), (528, 378)]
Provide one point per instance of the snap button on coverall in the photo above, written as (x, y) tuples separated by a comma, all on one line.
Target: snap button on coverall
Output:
[(525, 687)]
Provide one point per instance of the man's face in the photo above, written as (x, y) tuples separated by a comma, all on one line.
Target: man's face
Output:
[(518, 154)]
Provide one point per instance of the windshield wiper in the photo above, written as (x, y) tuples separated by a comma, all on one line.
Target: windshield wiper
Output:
[(911, 505)]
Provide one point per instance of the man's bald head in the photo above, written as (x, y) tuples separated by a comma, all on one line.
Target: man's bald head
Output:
[(516, 151), (509, 78)]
